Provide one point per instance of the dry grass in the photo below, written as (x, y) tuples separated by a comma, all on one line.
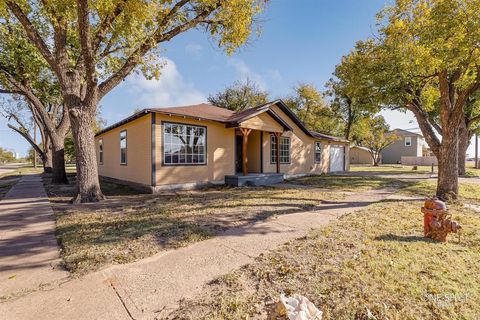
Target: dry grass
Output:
[(467, 191), (372, 264), (348, 183), (392, 168), (130, 226)]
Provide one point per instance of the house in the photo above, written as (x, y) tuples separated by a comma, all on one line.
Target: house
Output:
[(360, 155), (408, 144), (189, 146)]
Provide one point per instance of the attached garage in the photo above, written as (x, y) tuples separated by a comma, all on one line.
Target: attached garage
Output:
[(337, 158)]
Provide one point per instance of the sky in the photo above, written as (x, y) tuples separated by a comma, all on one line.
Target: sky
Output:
[(301, 42)]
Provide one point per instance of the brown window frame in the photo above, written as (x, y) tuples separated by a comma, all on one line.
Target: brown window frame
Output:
[(126, 148), (100, 151)]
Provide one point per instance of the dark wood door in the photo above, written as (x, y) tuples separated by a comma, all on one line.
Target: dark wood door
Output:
[(238, 153)]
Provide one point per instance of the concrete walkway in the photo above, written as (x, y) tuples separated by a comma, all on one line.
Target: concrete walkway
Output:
[(151, 288), (28, 249)]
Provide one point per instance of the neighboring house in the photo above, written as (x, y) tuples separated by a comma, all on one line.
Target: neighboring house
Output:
[(184, 147), (408, 144), (360, 155)]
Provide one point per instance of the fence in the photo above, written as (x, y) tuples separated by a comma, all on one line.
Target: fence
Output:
[(419, 161)]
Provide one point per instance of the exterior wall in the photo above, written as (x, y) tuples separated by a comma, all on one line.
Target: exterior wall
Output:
[(262, 122), (394, 152), (139, 152), (360, 156), (419, 161), (254, 152), (302, 156), (220, 155)]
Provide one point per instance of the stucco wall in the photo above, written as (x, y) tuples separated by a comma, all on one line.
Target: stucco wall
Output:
[(220, 155), (394, 152), (253, 152), (138, 167), (262, 122), (360, 156)]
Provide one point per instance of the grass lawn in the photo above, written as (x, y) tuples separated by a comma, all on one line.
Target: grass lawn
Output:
[(130, 226), (347, 183), (468, 191), (372, 264), (392, 168)]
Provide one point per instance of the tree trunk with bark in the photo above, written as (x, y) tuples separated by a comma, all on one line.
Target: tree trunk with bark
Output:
[(82, 120), (59, 175), (447, 187)]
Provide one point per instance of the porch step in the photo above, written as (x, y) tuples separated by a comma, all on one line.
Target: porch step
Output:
[(254, 179)]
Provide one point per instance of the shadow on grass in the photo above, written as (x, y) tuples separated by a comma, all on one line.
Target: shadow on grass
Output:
[(398, 238)]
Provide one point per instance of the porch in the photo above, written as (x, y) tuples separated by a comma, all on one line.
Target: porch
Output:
[(253, 179)]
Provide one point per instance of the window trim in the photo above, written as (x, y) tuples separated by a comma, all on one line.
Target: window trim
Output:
[(100, 151), (289, 150), (410, 139), (126, 147), (182, 164), (315, 152)]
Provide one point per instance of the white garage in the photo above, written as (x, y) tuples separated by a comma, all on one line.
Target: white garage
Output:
[(337, 158)]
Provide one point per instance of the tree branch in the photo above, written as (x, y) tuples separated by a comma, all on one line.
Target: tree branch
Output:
[(33, 35), (86, 43), (106, 24), (147, 45)]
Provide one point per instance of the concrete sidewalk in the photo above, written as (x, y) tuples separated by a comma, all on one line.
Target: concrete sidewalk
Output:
[(29, 256), (151, 288)]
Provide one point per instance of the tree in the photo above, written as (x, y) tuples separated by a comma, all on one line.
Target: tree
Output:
[(25, 76), (308, 104), (240, 96), (468, 127), (6, 156), (376, 136), (425, 57), (349, 90), (15, 110), (91, 46)]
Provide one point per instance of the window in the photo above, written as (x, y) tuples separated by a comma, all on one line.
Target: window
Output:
[(318, 152), (408, 141), (100, 151), (123, 147), (284, 149), (184, 144)]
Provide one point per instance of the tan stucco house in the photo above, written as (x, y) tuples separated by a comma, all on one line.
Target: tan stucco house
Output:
[(185, 147), (361, 155)]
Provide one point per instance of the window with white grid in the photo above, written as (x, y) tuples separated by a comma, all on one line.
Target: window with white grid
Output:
[(284, 149)]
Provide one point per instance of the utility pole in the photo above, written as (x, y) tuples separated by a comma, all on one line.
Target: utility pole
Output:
[(477, 165), (35, 141)]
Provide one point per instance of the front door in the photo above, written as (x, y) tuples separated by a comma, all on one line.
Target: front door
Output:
[(337, 158), (238, 153)]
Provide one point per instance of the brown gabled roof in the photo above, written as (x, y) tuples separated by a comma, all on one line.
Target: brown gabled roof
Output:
[(200, 111), (210, 112), (327, 137)]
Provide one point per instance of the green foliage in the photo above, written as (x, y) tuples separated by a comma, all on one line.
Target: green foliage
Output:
[(374, 133), (308, 104), (350, 91), (6, 156), (240, 96)]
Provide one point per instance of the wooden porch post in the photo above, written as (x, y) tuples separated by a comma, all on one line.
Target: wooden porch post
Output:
[(245, 132), (277, 143)]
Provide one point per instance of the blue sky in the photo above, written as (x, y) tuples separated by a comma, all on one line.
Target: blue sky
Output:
[(301, 41)]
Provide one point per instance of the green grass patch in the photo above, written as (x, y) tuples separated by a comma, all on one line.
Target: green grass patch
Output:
[(372, 264)]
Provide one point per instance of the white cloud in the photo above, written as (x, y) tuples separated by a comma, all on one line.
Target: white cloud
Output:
[(244, 72), (193, 49), (171, 89)]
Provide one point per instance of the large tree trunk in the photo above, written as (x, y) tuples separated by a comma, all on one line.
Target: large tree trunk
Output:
[(463, 144), (82, 120), (59, 175), (447, 187), (47, 160)]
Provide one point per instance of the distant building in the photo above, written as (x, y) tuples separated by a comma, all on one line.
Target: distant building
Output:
[(408, 144), (360, 155)]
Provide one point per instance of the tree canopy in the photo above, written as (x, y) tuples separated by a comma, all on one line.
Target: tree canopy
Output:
[(240, 96)]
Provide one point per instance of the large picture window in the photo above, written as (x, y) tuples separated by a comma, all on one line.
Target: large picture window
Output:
[(100, 151), (284, 149), (318, 152), (184, 144), (123, 147)]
